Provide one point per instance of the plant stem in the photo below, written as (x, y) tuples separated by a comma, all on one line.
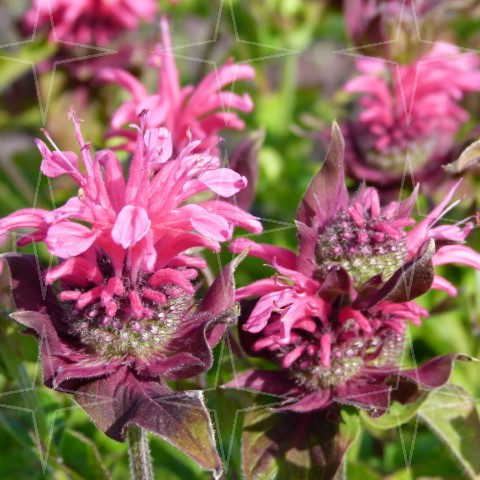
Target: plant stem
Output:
[(139, 454), (341, 473)]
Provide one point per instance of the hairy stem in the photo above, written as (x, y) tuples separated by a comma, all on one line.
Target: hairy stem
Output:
[(139, 454)]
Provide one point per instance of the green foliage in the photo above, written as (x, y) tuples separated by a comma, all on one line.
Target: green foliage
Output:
[(452, 416)]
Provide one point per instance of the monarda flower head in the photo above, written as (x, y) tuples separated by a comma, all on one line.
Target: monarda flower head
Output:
[(411, 109), (123, 317), (374, 25), (200, 111), (88, 21), (333, 317)]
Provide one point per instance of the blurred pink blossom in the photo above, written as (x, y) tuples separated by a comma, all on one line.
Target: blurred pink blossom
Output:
[(197, 112), (88, 21), (408, 108)]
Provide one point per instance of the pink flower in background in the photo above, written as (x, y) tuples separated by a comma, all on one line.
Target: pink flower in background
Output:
[(415, 108), (88, 21), (372, 24), (200, 111), (334, 315)]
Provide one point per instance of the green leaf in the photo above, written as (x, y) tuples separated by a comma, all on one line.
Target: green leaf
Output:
[(452, 416), (397, 414), (80, 455), (15, 64), (359, 470), (296, 446)]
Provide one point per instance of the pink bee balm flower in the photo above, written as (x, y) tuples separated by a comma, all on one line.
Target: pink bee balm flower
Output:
[(200, 111), (408, 108), (373, 24), (141, 225), (88, 21), (125, 317), (334, 316)]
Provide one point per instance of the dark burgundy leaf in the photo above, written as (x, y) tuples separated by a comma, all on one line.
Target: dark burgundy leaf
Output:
[(28, 290), (408, 282), (272, 382), (244, 160), (327, 193), (295, 446), (336, 282), (180, 418)]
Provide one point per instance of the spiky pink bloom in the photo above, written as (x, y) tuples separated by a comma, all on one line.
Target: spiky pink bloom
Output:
[(408, 108), (334, 315), (124, 316), (142, 225), (88, 21), (198, 111)]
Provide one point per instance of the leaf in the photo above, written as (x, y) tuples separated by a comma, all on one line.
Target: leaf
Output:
[(244, 161), (410, 281), (295, 446), (30, 53), (327, 192), (81, 455), (453, 418), (114, 402), (359, 470), (396, 415), (468, 158)]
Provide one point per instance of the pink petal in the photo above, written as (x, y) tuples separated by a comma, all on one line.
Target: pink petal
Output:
[(67, 239), (168, 276), (26, 218), (234, 215), (223, 181), (272, 254), (131, 225), (125, 80), (441, 283), (58, 163), (77, 271), (459, 254), (210, 225)]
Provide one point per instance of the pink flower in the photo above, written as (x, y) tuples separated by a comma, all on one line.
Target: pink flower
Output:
[(415, 108), (199, 112), (124, 317), (333, 316), (133, 232), (88, 21), (372, 24)]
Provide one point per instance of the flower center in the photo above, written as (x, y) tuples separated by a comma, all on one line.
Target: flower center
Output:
[(361, 243), (347, 360), (125, 334), (393, 160)]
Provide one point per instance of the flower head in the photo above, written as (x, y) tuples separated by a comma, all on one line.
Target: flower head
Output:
[(406, 108), (333, 317), (373, 24), (125, 317), (87, 21), (198, 111)]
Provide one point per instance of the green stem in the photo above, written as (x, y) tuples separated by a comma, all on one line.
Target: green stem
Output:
[(139, 454)]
